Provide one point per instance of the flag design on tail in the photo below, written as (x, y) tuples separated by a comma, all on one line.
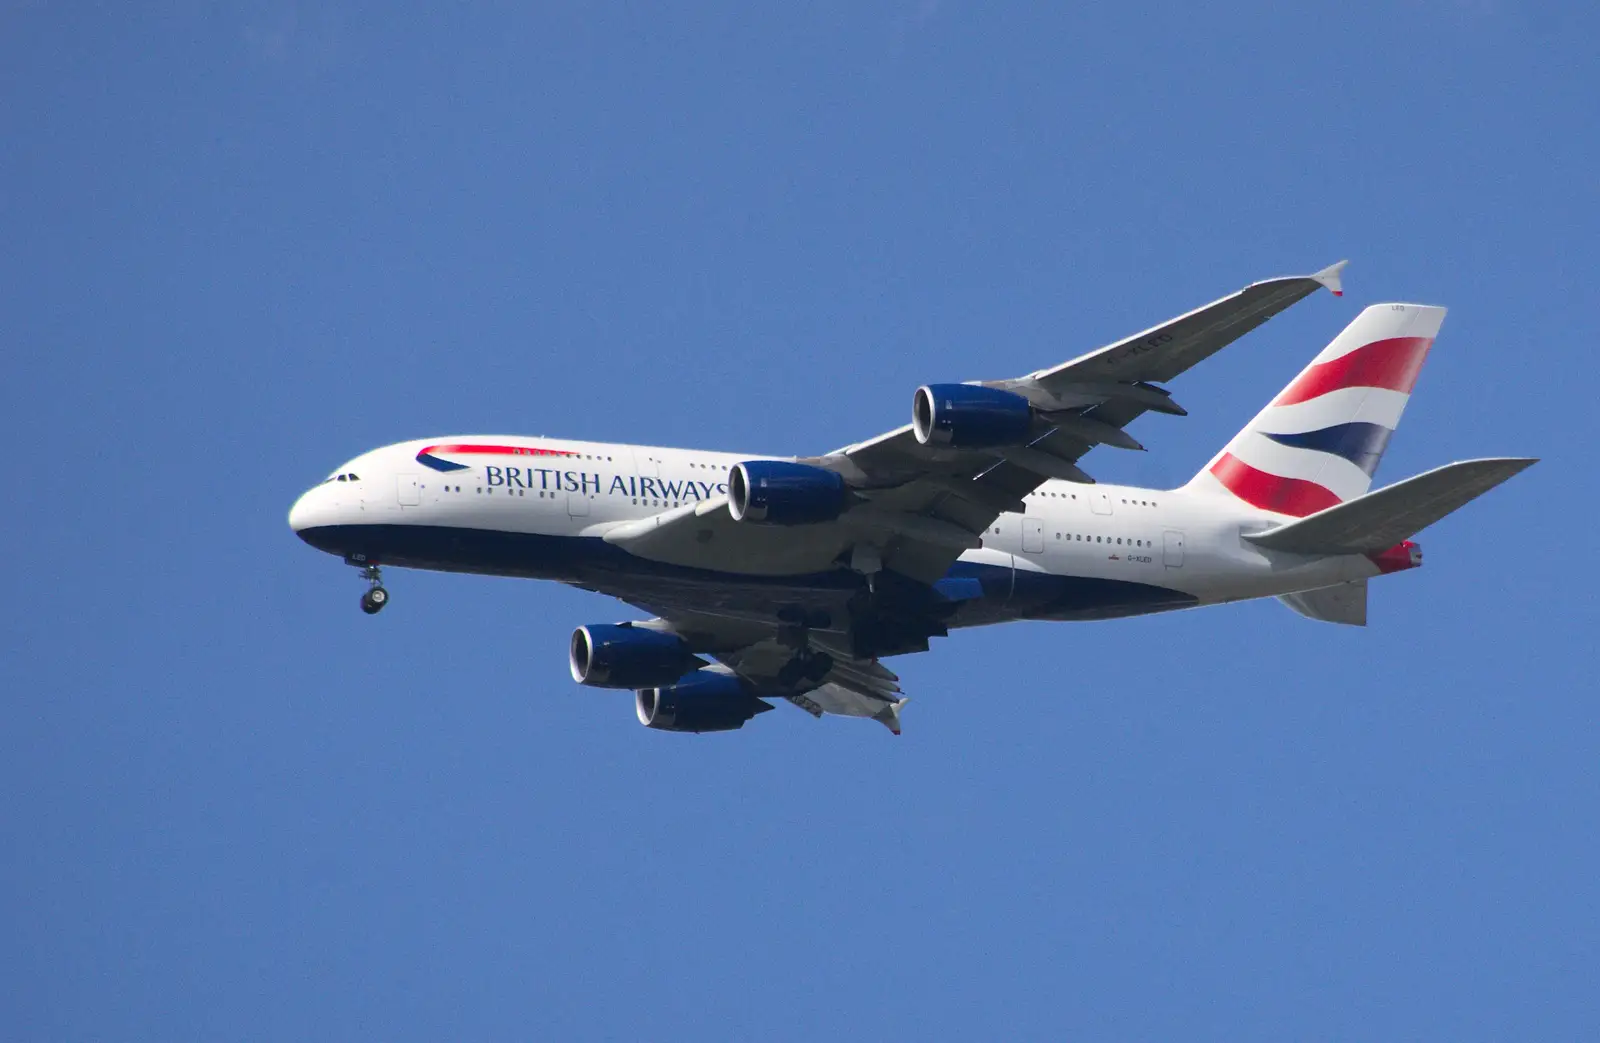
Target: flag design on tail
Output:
[(1319, 441)]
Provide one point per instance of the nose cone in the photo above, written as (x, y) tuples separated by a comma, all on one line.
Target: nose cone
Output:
[(302, 514), (318, 518)]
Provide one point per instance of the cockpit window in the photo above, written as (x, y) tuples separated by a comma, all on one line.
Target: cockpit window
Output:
[(344, 478), (355, 477)]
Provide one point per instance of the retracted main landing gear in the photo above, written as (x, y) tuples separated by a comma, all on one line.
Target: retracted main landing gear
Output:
[(376, 597), (806, 664)]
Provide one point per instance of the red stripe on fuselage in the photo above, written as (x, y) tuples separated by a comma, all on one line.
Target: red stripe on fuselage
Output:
[(503, 450), (1392, 364), (1269, 492)]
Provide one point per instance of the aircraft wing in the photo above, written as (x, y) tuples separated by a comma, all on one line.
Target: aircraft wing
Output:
[(1163, 352), (917, 507)]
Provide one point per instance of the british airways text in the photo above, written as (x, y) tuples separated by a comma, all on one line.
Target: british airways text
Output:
[(581, 482)]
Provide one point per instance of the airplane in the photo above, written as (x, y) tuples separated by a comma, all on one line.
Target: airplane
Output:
[(792, 578)]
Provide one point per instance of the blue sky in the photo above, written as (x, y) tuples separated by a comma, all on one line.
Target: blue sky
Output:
[(245, 242)]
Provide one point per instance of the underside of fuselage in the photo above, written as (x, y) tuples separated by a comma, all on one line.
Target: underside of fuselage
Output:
[(977, 593)]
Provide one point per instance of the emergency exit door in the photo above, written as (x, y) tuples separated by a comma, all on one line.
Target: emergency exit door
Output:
[(1173, 547)]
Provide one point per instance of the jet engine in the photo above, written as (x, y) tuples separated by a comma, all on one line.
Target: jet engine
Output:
[(618, 655), (777, 492), (703, 701), (968, 416)]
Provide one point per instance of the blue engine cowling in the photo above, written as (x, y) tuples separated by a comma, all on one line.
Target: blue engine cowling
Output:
[(703, 701), (608, 655), (967, 416), (777, 492)]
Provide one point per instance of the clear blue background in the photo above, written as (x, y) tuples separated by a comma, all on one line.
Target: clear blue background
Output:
[(243, 243)]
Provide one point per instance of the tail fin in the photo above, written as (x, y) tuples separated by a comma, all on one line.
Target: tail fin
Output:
[(1318, 443)]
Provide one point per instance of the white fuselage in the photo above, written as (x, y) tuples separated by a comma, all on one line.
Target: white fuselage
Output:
[(560, 497)]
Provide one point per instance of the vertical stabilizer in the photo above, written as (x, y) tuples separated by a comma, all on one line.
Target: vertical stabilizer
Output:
[(1318, 443)]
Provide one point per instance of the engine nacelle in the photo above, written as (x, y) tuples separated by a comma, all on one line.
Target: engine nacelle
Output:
[(967, 416), (609, 655), (777, 492), (703, 701)]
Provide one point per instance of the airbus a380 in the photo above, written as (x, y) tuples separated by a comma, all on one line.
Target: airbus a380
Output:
[(792, 578)]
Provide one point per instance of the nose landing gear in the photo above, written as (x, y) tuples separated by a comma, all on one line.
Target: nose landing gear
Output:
[(375, 597)]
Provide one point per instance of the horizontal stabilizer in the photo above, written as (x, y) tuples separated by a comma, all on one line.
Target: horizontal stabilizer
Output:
[(1379, 520), (1345, 603)]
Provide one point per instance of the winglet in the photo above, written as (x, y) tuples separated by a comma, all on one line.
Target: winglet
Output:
[(889, 716), (1329, 277)]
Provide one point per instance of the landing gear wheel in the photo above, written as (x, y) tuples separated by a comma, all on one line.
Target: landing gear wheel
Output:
[(375, 597)]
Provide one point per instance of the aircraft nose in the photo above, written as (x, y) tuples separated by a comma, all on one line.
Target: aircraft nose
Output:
[(302, 515)]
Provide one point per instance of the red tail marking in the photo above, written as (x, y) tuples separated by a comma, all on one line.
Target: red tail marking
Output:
[(1392, 364), (1270, 492)]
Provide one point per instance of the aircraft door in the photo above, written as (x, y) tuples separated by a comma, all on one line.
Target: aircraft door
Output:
[(1032, 536), (578, 499), (1003, 533), (1173, 547), (409, 490), (1099, 502)]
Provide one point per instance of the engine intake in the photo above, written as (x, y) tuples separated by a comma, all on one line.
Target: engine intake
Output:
[(703, 701), (968, 416), (610, 655), (777, 492)]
